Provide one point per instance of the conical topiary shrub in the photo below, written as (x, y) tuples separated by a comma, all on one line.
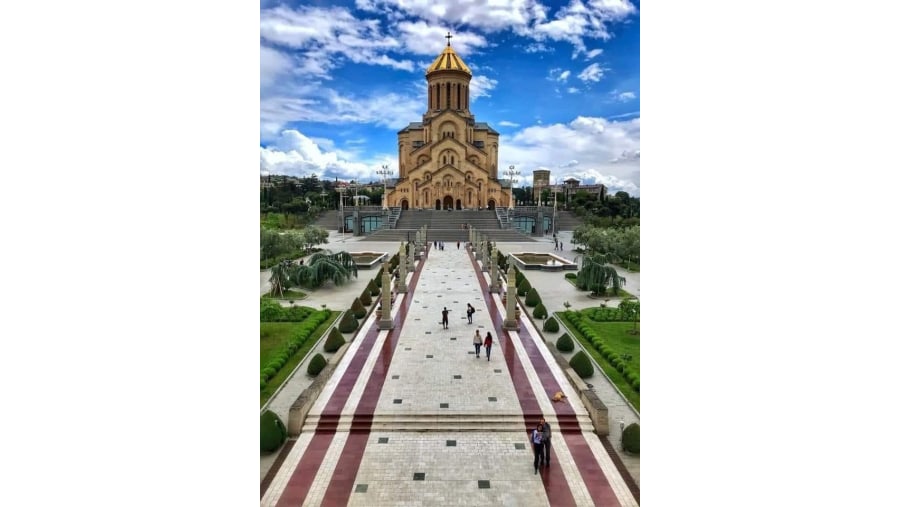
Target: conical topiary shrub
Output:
[(523, 288), (540, 312), (581, 363), (631, 438), (365, 298), (378, 281), (334, 341), (272, 432), (373, 288), (348, 323), (359, 311), (533, 298), (551, 326), (316, 364), (565, 343)]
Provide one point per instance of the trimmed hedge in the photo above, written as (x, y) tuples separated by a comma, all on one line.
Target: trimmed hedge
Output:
[(316, 364), (348, 323), (373, 286), (365, 298), (581, 363), (571, 276), (296, 340), (551, 326), (540, 311), (272, 432), (359, 311), (533, 298), (631, 438), (523, 289), (565, 343), (271, 311), (334, 341)]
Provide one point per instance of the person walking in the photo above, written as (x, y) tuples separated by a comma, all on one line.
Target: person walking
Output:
[(476, 340), (445, 317), (457, 245), (469, 312), (546, 441), (488, 343), (537, 444)]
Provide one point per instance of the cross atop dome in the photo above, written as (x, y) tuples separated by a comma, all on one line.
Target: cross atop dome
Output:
[(448, 37)]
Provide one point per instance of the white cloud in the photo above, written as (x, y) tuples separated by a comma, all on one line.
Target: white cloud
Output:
[(423, 38), (592, 53), (565, 75), (505, 123), (592, 147), (592, 72), (572, 89), (537, 47), (392, 110), (323, 35), (272, 65), (493, 16), (480, 86), (625, 96), (528, 18), (295, 154)]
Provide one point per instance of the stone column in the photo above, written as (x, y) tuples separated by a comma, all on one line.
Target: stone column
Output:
[(386, 322), (485, 260), (510, 321), (410, 257), (495, 272), (539, 225), (476, 247), (357, 226), (401, 265)]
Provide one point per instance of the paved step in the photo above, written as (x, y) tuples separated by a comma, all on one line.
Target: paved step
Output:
[(442, 422)]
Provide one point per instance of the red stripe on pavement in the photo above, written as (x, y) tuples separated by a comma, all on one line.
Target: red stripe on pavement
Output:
[(341, 485)]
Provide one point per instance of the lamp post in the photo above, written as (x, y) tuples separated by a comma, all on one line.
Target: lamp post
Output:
[(512, 173), (384, 172), (343, 218)]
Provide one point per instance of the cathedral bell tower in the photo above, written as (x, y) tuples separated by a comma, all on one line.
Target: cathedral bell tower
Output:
[(448, 84)]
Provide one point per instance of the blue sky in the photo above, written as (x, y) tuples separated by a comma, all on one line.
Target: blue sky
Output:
[(560, 81)]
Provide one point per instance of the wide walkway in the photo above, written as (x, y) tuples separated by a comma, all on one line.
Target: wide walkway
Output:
[(412, 417)]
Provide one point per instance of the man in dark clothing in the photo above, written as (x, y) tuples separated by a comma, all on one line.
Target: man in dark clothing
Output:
[(546, 441), (444, 317)]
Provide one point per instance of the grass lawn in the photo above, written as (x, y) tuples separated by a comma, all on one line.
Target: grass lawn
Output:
[(616, 336), (271, 336), (634, 267), (289, 295)]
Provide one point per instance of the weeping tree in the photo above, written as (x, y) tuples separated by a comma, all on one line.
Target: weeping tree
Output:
[(322, 267), (281, 278), (596, 275)]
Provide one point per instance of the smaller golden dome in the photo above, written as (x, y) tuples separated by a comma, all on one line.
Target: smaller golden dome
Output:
[(448, 60)]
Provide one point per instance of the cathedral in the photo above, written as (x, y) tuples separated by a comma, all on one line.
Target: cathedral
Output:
[(448, 160)]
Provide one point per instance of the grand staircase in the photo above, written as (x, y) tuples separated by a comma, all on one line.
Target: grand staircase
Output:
[(444, 225)]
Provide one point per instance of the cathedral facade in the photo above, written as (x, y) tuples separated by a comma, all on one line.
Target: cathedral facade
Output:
[(448, 160)]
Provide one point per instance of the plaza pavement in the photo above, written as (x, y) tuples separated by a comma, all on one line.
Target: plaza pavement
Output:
[(486, 412)]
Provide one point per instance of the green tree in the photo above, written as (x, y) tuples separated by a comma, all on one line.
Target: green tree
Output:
[(322, 267), (631, 309), (596, 275), (280, 278)]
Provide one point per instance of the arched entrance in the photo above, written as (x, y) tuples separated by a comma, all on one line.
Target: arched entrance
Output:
[(491, 204), (404, 204), (437, 204), (448, 202), (459, 204)]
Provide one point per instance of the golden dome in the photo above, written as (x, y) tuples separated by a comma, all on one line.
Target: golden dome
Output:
[(448, 60)]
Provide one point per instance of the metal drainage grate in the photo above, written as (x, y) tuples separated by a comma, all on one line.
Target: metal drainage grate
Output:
[(395, 377), (397, 401), (457, 376), (484, 484), (520, 447), (362, 488), (445, 405), (382, 440), (451, 443), (419, 476), (492, 398)]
